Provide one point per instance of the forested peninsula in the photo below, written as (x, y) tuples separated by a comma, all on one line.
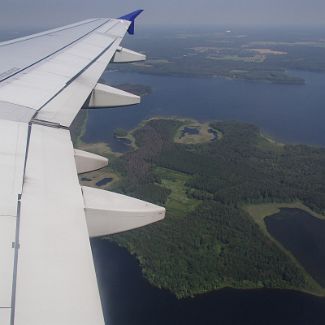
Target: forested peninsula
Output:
[(208, 240)]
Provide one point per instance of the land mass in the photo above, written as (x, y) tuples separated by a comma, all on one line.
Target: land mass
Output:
[(236, 55), (212, 236), (136, 89)]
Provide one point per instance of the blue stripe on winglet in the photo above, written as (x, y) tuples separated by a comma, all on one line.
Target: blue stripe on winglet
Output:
[(131, 17)]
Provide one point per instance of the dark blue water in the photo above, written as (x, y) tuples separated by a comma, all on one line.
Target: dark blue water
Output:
[(128, 299), (188, 130), (289, 113), (215, 134), (303, 235), (104, 181)]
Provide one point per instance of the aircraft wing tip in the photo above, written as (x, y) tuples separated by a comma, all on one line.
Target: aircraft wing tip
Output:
[(131, 17)]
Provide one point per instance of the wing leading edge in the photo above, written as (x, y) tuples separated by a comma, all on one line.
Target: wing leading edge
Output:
[(46, 218)]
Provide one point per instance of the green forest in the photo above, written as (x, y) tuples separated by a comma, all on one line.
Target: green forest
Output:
[(207, 240)]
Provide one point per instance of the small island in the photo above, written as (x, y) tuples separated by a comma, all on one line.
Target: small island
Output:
[(217, 193)]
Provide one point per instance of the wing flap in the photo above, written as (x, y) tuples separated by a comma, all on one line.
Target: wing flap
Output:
[(37, 86), (7, 253), (42, 45), (64, 108), (5, 315), (55, 260), (48, 274), (77, 59), (12, 158), (12, 112)]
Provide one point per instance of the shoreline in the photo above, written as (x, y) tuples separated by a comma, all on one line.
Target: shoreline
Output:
[(272, 208), (318, 294), (301, 82), (259, 212)]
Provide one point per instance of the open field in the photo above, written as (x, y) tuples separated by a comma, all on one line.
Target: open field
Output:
[(99, 148), (178, 203), (260, 211)]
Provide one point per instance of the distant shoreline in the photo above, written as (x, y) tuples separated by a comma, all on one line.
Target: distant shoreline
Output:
[(291, 82)]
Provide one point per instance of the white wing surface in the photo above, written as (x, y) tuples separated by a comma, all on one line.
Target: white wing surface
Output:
[(47, 274)]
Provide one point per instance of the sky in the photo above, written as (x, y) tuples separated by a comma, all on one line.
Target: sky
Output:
[(49, 13)]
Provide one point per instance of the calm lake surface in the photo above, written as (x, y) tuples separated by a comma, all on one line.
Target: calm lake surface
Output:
[(304, 236), (289, 113), (128, 299)]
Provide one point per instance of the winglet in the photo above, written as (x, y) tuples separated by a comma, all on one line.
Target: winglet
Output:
[(131, 17)]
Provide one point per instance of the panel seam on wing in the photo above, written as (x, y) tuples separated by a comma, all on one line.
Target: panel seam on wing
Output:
[(55, 52)]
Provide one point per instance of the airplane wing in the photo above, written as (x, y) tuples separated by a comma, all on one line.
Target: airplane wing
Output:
[(47, 274)]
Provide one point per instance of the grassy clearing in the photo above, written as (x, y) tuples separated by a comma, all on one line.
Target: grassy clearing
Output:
[(129, 137), (260, 211), (178, 204), (258, 58), (99, 148), (267, 143), (203, 136), (319, 43), (219, 133), (268, 52)]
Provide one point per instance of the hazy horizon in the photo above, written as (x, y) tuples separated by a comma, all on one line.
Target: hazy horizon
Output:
[(37, 14)]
